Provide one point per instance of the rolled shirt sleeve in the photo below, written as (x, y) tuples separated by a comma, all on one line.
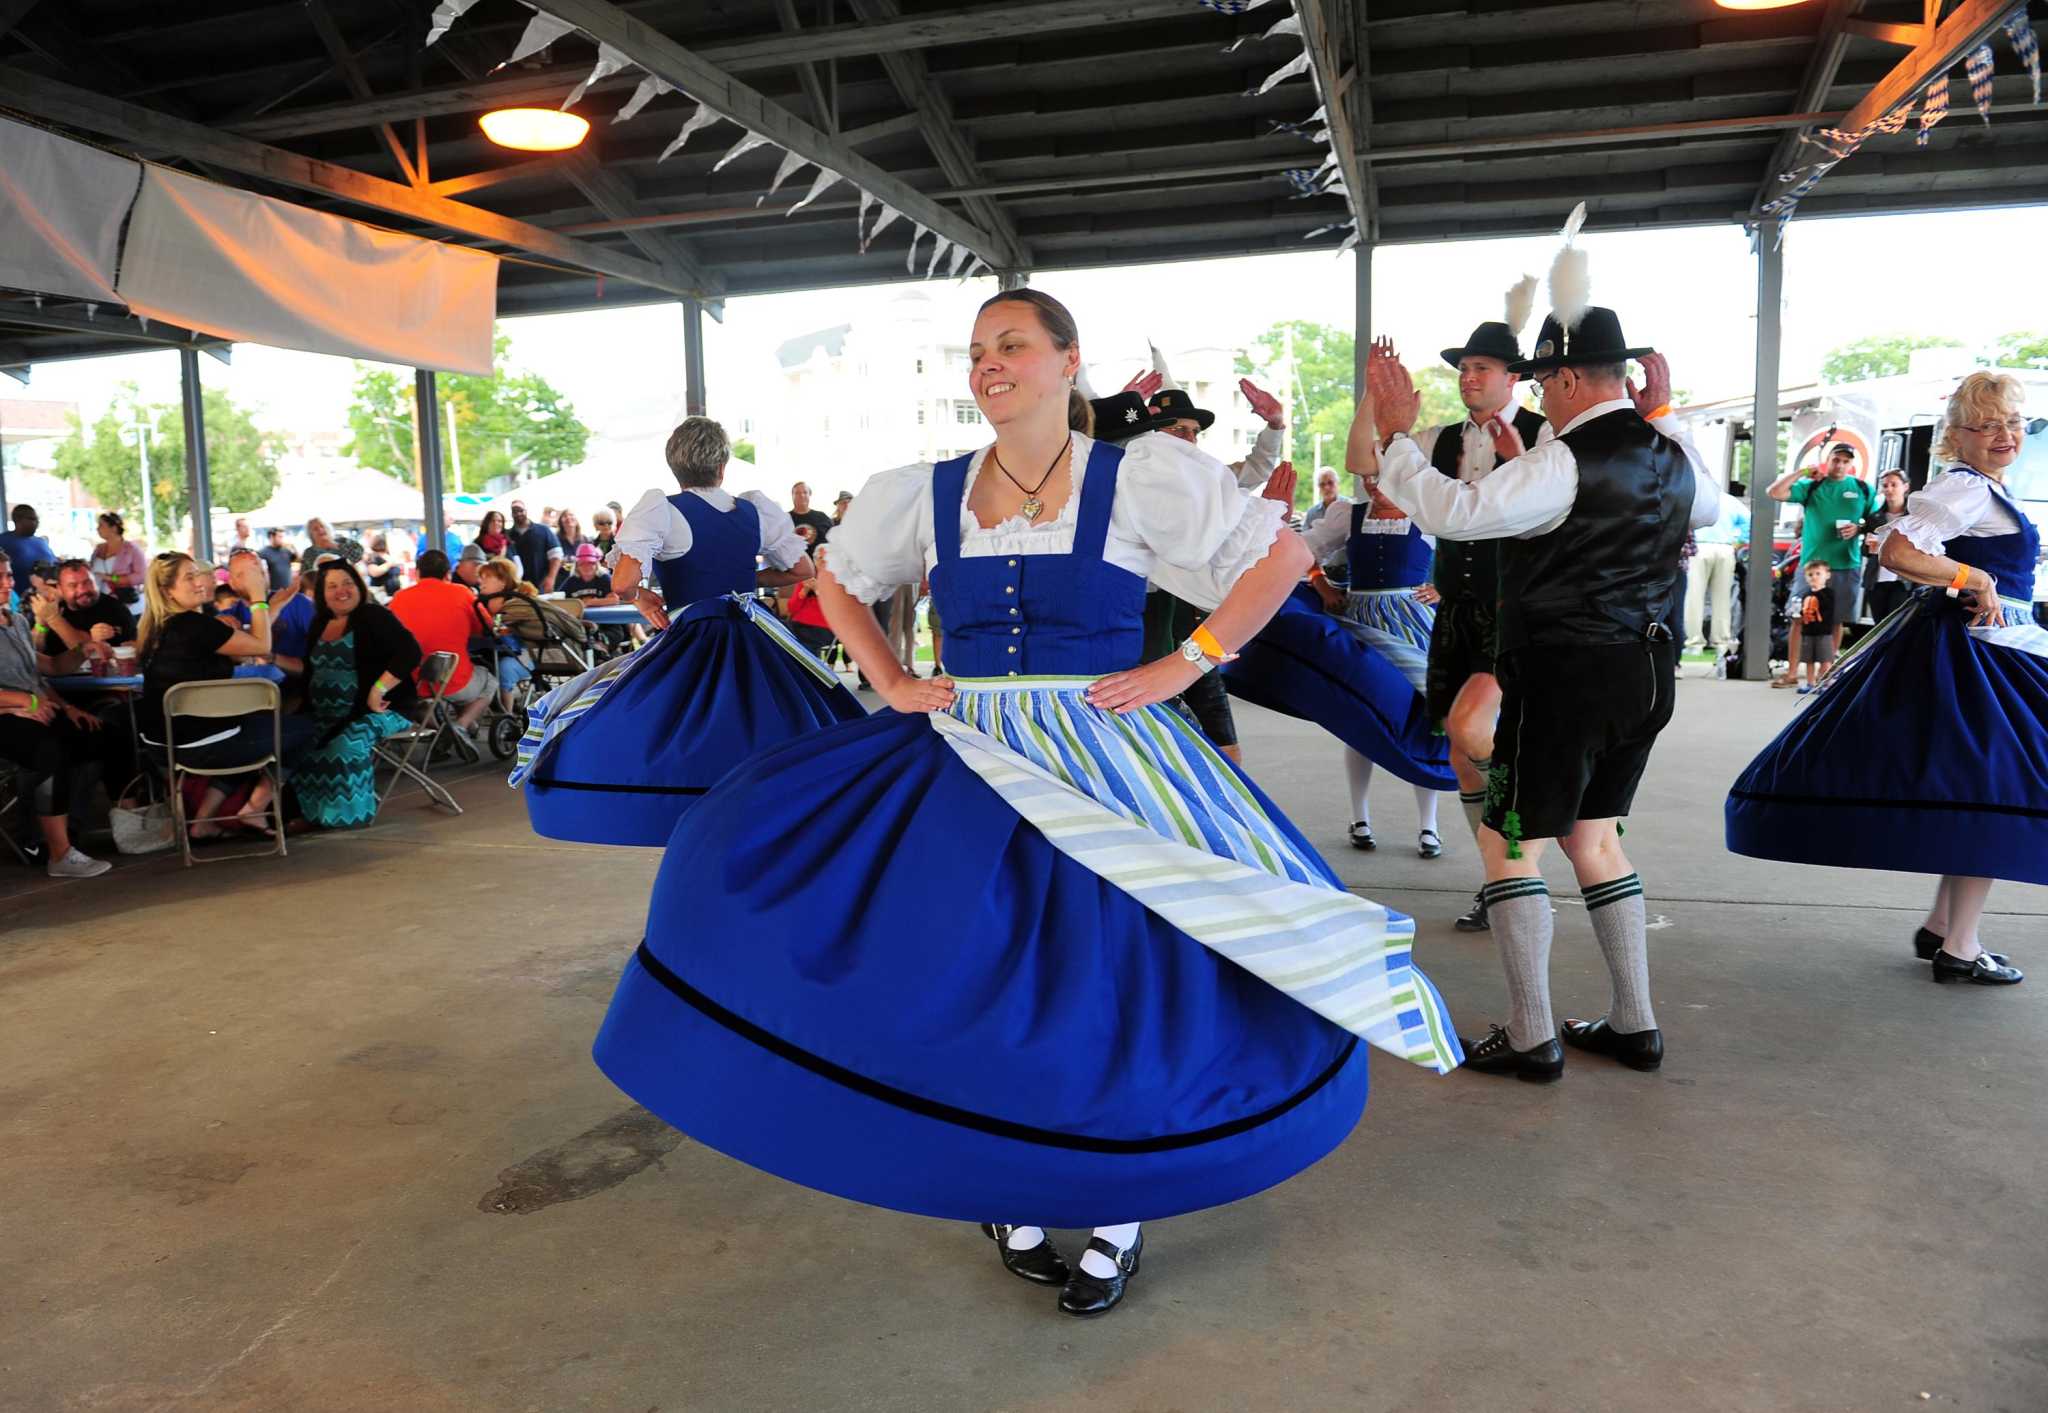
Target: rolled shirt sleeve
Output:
[(1706, 491), (1260, 462), (1943, 509), (881, 544), (1183, 506)]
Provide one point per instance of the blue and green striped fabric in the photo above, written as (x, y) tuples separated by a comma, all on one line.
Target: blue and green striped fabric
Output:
[(1146, 804)]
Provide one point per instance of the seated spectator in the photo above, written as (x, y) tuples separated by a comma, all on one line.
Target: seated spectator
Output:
[(499, 588), (45, 737), (360, 662), (292, 608), (381, 569), (807, 616), (22, 546), (444, 617), (117, 561), (277, 558), (468, 561), (602, 523), (81, 623), (588, 580), (491, 537), (182, 641)]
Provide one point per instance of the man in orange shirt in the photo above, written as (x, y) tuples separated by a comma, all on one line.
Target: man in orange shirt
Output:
[(443, 617)]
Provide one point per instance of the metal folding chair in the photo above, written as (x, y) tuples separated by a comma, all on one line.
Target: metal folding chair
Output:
[(11, 803), (213, 701), (410, 751)]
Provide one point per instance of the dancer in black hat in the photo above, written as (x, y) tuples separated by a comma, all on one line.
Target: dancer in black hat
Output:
[(1461, 691), (1589, 526)]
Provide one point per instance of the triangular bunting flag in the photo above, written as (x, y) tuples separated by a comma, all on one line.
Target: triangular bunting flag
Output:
[(1297, 65), (739, 149), (650, 88), (1933, 108), (826, 176), (2027, 45), (960, 255), (444, 17), (917, 235), (541, 31), (609, 62), (1977, 66), (700, 118), (790, 162), (938, 253), (889, 214)]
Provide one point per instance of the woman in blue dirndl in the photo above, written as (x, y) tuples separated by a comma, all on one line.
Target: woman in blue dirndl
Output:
[(1960, 672), (1054, 960), (617, 755), (1359, 669)]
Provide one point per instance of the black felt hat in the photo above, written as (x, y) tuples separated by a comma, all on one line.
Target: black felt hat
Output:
[(1120, 417), (1596, 338), (1172, 404), (1490, 340)]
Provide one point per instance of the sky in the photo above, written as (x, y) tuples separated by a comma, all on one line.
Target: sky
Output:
[(1690, 293)]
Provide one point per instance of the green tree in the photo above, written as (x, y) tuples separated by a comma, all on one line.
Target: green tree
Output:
[(1441, 405), (508, 420), (1321, 369), (1882, 356), (241, 459), (2023, 350), (743, 450)]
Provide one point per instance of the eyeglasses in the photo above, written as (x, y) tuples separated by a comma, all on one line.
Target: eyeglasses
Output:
[(2015, 425)]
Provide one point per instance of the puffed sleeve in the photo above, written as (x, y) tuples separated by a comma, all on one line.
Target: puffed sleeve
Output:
[(779, 544), (1184, 506), (647, 532), (1942, 510), (882, 542), (1327, 536)]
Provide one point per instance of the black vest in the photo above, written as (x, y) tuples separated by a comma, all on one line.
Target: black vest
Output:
[(1609, 573), (1470, 569)]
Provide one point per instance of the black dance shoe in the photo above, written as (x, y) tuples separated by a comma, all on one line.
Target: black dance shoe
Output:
[(1475, 921), (1361, 837), (1428, 845), (1988, 970), (1040, 1264), (1639, 1049), (1087, 1295), (1496, 1054), (1926, 944)]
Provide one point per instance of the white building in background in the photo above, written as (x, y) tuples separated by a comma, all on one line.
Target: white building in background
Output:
[(31, 430), (863, 397)]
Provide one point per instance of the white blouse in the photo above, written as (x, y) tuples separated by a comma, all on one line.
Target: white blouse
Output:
[(1951, 507), (1178, 520), (653, 529)]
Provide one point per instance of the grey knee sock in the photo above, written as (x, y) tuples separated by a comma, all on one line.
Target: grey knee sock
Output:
[(1616, 908), (1473, 802), (1519, 909)]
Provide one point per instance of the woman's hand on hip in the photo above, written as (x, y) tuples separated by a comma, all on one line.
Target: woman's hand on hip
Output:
[(1126, 692)]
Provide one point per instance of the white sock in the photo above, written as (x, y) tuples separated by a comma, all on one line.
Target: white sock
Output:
[(1024, 1238), (1966, 899), (1121, 1237), (1358, 770), (1425, 808)]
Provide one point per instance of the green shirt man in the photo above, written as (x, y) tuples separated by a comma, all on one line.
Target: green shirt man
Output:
[(1833, 497)]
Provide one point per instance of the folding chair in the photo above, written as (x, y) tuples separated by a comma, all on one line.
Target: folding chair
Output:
[(408, 752), (213, 701), (11, 802)]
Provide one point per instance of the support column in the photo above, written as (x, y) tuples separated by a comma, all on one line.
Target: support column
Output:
[(427, 448), (198, 482), (1361, 319), (1763, 452), (693, 358)]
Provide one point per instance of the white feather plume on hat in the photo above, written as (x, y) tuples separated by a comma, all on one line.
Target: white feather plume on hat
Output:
[(1166, 382), (1521, 304), (1571, 283), (1083, 386)]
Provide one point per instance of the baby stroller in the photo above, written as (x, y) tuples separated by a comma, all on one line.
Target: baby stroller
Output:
[(549, 638)]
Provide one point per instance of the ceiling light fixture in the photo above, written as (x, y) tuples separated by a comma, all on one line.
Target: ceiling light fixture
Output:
[(534, 129)]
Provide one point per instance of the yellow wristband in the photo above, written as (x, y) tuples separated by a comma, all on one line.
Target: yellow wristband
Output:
[(1206, 641)]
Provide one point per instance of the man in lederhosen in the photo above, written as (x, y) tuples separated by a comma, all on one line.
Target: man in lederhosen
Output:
[(1589, 526), (1461, 691)]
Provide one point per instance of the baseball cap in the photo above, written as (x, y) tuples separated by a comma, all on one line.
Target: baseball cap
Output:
[(842, 497)]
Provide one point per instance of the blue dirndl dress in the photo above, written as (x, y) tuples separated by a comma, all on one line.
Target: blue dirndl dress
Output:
[(1926, 750), (1359, 675), (617, 755), (1016, 974)]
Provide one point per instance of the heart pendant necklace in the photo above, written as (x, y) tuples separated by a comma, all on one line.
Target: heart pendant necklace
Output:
[(1032, 506)]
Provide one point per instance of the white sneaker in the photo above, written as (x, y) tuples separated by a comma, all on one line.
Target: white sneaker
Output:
[(78, 865)]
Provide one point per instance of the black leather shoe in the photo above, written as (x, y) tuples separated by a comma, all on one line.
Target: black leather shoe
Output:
[(1041, 1264), (1639, 1049), (1496, 1054), (1476, 920), (1361, 837), (1926, 944), (1985, 971), (1429, 845), (1086, 1295)]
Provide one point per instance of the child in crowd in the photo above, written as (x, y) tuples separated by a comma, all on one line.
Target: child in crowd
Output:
[(1817, 619)]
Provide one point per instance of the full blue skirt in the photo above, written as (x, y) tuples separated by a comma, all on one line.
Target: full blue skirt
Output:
[(1927, 752), (1305, 663), (865, 972), (709, 691)]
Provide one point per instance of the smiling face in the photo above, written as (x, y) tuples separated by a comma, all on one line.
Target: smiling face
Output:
[(76, 585), (193, 588), (1484, 384), (338, 592), (1018, 371), (1991, 445)]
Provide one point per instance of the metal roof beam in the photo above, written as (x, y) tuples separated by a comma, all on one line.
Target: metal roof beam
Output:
[(1830, 47), (1972, 23), (913, 81), (110, 324), (613, 194), (151, 130), (824, 106), (725, 95), (359, 83)]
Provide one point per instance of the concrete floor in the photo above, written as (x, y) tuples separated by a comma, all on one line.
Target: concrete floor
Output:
[(324, 1134)]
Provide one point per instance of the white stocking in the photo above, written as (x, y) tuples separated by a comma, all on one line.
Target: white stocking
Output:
[(1121, 1237), (1937, 916), (1358, 770), (1425, 808), (1024, 1238), (1966, 897)]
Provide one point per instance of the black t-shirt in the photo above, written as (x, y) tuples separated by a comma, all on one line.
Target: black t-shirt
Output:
[(818, 520), (103, 609), (187, 650), (531, 545), (577, 587), (278, 560)]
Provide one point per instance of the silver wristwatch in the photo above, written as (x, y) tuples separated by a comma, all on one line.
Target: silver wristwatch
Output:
[(1192, 651)]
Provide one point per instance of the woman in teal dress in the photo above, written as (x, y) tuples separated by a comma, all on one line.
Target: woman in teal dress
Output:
[(359, 668)]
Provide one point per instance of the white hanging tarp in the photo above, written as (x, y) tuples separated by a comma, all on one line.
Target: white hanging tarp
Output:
[(61, 206), (249, 268)]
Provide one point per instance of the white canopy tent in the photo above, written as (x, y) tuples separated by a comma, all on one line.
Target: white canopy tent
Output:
[(340, 495), (623, 477)]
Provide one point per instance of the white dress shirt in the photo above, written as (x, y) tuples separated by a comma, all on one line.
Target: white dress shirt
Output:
[(1479, 457), (653, 529), (1523, 498), (1257, 467)]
